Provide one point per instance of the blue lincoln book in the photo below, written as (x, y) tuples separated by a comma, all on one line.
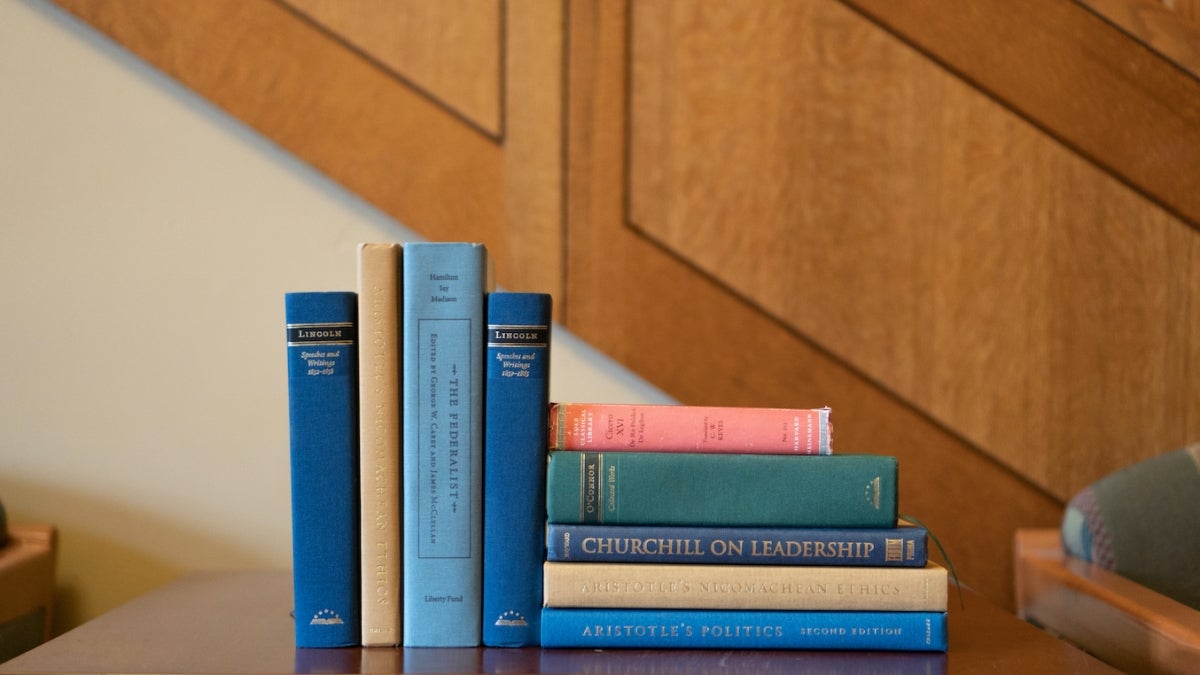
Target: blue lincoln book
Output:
[(323, 430), (517, 400)]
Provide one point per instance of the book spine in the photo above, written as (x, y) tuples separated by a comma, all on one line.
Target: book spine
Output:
[(379, 431), (443, 313), (833, 588), (681, 428), (647, 488), (323, 438), (516, 395), (873, 547), (600, 628)]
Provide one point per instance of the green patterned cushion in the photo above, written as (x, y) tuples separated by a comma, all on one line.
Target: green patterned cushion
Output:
[(1143, 522)]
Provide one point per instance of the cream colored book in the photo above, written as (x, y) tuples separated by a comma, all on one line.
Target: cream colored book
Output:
[(746, 587), (379, 436)]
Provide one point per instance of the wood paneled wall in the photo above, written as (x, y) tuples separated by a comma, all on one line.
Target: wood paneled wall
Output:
[(971, 229), (870, 200), (450, 49), (1169, 27)]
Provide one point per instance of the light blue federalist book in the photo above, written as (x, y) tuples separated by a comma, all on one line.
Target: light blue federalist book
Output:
[(517, 399), (443, 331)]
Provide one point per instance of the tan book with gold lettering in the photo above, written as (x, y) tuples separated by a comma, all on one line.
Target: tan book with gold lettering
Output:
[(379, 446), (781, 587)]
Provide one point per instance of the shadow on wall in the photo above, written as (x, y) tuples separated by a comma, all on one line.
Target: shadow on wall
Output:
[(108, 553)]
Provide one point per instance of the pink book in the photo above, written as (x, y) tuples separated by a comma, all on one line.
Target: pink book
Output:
[(682, 428)]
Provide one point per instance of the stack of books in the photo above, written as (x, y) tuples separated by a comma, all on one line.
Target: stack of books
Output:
[(708, 527), (439, 499)]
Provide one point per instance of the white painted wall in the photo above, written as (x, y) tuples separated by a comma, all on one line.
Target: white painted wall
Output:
[(146, 242)]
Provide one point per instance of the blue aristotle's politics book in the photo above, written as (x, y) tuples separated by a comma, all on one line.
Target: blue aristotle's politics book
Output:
[(901, 546), (517, 399), (323, 430), (742, 629), (442, 457)]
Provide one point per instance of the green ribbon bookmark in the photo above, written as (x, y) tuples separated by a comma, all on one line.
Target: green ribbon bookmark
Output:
[(945, 556)]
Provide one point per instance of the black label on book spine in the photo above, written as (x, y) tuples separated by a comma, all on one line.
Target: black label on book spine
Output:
[(299, 334), (501, 335)]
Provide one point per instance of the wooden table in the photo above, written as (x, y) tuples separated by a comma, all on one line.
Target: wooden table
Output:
[(1126, 624), (239, 622)]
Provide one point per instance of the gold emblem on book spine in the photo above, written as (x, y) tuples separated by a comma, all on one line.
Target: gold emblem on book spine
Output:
[(871, 492)]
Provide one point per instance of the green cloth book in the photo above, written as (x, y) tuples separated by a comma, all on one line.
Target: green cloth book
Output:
[(648, 488)]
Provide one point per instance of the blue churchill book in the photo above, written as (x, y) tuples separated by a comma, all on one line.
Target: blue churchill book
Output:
[(442, 391), (323, 436), (517, 398), (902, 546)]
